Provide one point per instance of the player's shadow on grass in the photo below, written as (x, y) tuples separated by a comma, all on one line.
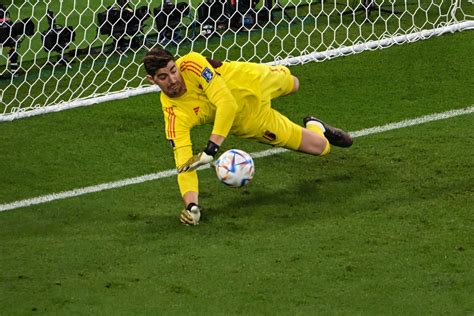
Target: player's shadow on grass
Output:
[(287, 202), (327, 191), (333, 192)]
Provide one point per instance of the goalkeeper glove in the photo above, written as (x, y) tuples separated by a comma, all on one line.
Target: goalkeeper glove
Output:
[(200, 159), (191, 214)]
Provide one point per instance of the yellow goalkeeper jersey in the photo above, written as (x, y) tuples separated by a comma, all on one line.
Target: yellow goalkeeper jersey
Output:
[(227, 94)]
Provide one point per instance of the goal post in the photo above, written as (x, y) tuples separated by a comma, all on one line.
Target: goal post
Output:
[(61, 55)]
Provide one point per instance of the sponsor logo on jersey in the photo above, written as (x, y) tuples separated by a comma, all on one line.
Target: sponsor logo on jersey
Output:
[(207, 74)]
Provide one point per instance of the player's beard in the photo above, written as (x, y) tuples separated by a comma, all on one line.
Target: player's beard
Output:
[(176, 90)]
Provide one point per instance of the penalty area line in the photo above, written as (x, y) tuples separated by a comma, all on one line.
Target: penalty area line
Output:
[(260, 154)]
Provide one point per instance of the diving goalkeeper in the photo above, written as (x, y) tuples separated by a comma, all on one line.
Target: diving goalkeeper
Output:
[(236, 98)]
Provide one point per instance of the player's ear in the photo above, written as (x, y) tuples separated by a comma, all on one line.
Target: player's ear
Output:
[(150, 79)]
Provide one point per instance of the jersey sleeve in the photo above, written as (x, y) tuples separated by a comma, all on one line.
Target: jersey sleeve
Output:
[(179, 137), (199, 70)]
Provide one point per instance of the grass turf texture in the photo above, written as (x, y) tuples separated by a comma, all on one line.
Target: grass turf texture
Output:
[(384, 227)]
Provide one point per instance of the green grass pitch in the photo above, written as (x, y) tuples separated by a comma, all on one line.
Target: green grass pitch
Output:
[(385, 227)]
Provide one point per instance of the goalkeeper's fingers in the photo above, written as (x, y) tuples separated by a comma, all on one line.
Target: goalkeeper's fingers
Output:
[(186, 218), (195, 162), (191, 214), (187, 165)]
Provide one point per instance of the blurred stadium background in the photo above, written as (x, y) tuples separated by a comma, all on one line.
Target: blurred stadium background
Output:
[(103, 46)]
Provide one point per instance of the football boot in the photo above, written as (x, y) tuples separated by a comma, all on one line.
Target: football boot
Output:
[(335, 136)]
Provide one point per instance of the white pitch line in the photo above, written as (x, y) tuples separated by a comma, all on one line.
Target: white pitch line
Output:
[(265, 153)]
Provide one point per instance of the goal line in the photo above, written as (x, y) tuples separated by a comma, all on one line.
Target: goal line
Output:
[(265, 153)]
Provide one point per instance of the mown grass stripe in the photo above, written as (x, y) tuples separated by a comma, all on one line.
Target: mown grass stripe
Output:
[(260, 154)]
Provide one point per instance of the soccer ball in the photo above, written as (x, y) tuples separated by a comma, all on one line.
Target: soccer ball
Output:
[(235, 168)]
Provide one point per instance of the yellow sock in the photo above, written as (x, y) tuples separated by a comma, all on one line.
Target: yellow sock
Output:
[(315, 127), (318, 130)]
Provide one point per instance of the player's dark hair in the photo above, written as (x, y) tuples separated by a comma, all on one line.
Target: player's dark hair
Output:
[(155, 59)]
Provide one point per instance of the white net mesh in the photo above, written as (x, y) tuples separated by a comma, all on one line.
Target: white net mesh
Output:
[(67, 54)]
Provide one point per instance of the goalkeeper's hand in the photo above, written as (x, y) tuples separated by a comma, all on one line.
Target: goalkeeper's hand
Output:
[(205, 157), (191, 214), (195, 162)]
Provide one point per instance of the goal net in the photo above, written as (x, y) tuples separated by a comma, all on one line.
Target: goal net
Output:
[(63, 54)]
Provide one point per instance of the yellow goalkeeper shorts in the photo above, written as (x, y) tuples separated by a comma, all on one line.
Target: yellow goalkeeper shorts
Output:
[(266, 124), (276, 129)]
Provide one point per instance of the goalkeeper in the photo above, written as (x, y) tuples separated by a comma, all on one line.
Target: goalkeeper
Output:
[(236, 98)]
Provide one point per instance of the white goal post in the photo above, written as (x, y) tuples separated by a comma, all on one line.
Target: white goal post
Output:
[(57, 55)]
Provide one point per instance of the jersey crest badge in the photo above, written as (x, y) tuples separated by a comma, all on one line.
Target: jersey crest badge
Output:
[(207, 74)]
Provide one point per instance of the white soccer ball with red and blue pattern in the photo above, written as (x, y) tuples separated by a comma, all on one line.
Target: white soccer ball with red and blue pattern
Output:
[(235, 168)]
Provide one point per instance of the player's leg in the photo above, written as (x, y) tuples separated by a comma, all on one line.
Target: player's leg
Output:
[(312, 142), (315, 138), (309, 140), (318, 137), (273, 128), (335, 136)]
